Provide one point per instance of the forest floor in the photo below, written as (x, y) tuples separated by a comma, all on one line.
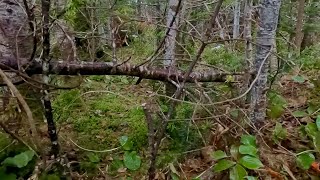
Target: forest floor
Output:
[(95, 119), (91, 121)]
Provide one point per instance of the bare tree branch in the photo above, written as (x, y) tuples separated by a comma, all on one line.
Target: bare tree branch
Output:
[(108, 68), (25, 106)]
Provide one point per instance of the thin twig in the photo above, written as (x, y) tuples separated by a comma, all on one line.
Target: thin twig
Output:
[(25, 106), (14, 136), (91, 150)]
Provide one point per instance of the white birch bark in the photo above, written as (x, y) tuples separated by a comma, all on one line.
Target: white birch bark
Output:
[(236, 19), (170, 44), (247, 63), (247, 32), (14, 32), (16, 41), (269, 14)]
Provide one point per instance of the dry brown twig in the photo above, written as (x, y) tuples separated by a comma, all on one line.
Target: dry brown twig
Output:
[(16, 137), (26, 108)]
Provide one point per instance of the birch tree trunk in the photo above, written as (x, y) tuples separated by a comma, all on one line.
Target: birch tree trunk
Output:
[(269, 14), (170, 44), (248, 48), (14, 34), (274, 58), (15, 38), (236, 19)]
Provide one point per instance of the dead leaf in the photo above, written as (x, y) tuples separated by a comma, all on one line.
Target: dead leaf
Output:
[(173, 169), (274, 174), (316, 167), (122, 170)]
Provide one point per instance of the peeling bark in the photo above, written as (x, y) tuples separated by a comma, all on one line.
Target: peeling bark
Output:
[(267, 28)]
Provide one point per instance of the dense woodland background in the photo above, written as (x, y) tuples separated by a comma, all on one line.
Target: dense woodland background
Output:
[(155, 89)]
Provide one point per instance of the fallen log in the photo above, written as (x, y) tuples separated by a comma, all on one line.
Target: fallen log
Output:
[(108, 68)]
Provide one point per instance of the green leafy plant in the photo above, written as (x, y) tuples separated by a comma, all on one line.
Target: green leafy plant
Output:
[(305, 160), (279, 133), (91, 163), (277, 105), (131, 159), (312, 130), (242, 159), (19, 161)]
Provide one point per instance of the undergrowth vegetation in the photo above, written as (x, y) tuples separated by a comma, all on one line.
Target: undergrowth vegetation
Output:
[(103, 129)]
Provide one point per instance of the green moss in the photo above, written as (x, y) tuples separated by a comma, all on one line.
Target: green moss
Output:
[(66, 104), (100, 119)]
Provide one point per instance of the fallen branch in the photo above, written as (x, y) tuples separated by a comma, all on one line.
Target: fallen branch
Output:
[(108, 68), (25, 107), (16, 137)]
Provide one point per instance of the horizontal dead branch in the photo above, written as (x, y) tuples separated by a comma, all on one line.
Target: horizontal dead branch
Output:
[(108, 68)]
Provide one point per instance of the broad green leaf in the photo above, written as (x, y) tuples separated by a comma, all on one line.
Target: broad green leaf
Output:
[(223, 165), (251, 178), (311, 129), (93, 158), (299, 114), (251, 162), (298, 79), (234, 151), (126, 143), (275, 111), (305, 160), (318, 122), (277, 99), (216, 155), (20, 160), (279, 133), (132, 160), (248, 149), (248, 140), (311, 109), (237, 172), (316, 141)]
